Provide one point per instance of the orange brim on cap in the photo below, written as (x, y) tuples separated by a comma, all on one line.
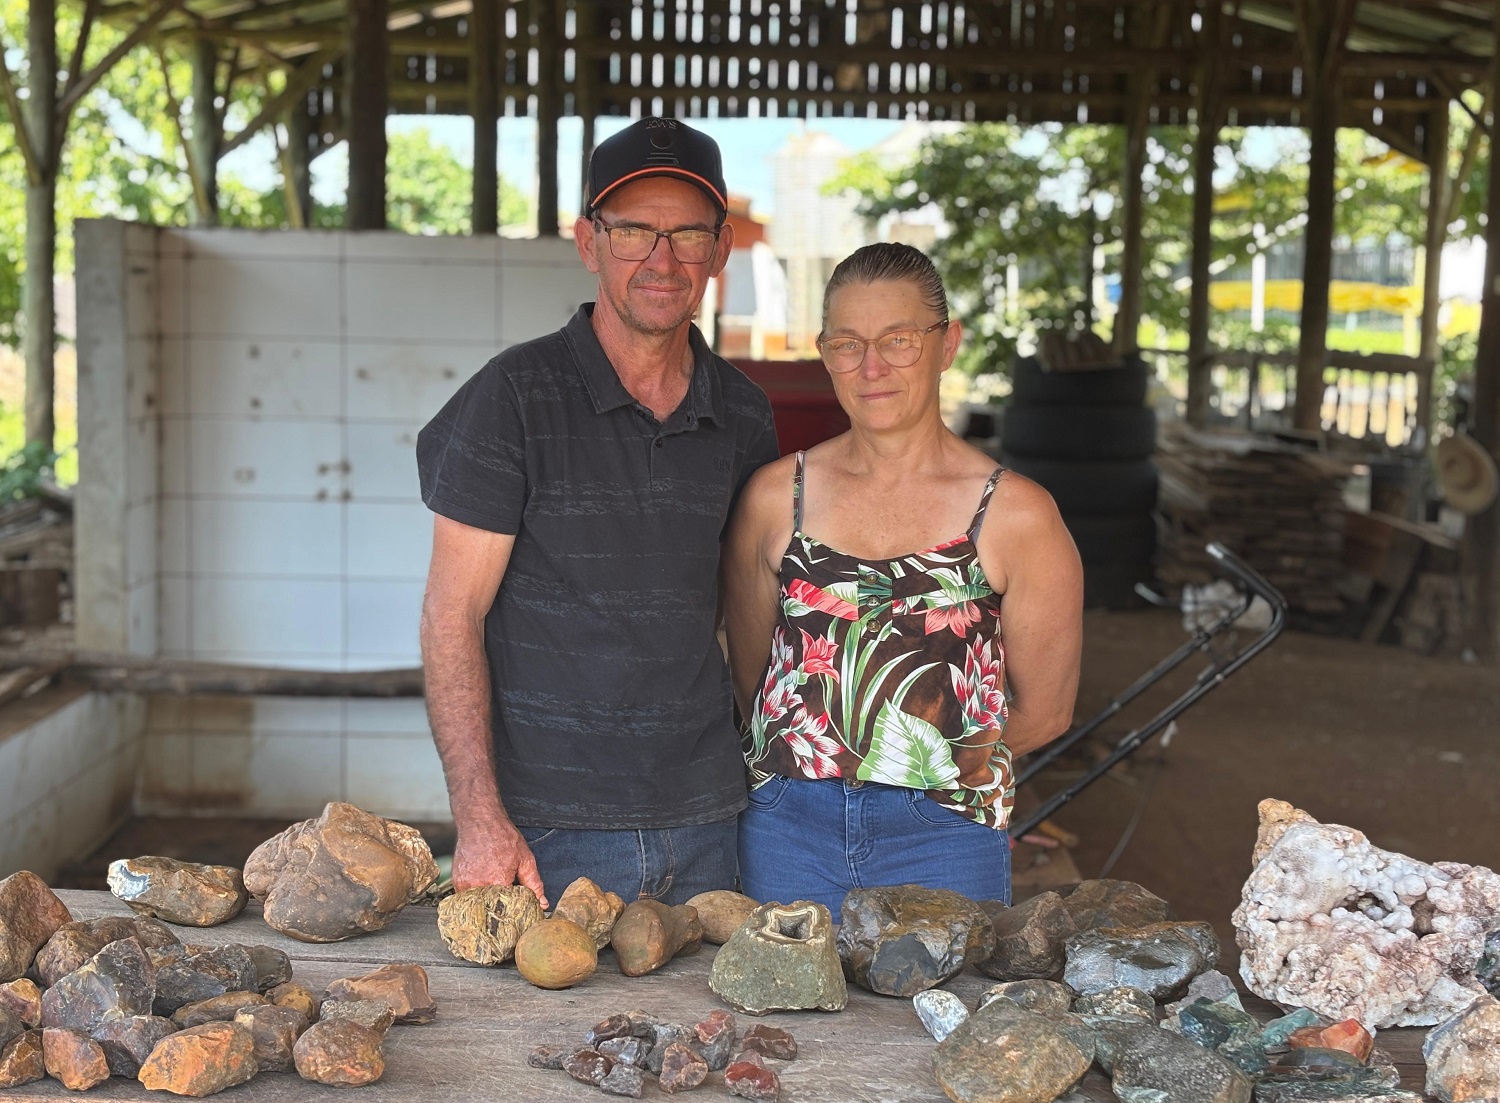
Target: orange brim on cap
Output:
[(662, 170)]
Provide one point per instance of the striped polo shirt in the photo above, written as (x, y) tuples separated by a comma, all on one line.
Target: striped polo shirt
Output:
[(611, 698)]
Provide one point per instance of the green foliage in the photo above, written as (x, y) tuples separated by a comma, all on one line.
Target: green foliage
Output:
[(21, 475)]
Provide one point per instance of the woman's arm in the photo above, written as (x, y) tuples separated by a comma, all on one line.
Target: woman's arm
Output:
[(1027, 554), (750, 574)]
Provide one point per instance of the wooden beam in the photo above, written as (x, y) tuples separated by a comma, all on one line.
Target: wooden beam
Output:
[(138, 34), (1132, 258), (174, 108), (301, 78), (1205, 141), (365, 101), (484, 105), (1438, 206), (548, 107)]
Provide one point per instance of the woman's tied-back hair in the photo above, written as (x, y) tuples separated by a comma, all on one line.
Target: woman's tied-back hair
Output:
[(888, 260)]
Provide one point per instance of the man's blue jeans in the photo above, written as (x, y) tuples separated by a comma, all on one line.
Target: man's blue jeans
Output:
[(816, 840), (670, 864)]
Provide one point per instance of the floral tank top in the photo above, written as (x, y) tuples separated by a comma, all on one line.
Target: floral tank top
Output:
[(887, 670)]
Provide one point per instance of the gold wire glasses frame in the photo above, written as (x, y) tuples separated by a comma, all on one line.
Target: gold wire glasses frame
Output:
[(900, 349), (639, 242)]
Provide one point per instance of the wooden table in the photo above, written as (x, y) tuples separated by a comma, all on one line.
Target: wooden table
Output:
[(874, 1051)]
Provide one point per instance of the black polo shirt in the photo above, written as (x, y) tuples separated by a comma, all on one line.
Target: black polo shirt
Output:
[(611, 697)]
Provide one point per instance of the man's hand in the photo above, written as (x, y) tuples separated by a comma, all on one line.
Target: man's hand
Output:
[(495, 854)]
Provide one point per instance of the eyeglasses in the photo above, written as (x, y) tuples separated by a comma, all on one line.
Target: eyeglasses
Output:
[(639, 242), (900, 349)]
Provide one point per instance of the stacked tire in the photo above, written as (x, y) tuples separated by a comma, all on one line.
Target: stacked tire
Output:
[(1087, 437)]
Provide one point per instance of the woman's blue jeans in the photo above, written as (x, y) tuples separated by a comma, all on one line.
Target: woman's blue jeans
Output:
[(816, 840)]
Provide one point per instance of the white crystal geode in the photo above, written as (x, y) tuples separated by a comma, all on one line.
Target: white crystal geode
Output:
[(1329, 922)]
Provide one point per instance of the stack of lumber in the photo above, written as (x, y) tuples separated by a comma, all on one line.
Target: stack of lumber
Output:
[(1276, 504), (36, 556)]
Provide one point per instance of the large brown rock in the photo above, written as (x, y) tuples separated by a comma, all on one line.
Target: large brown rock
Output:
[(593, 909), (402, 988), (190, 974), (218, 1009), (29, 914), (339, 1052), (345, 873), (649, 934), (1107, 903), (186, 893), (150, 933), (1030, 938), (117, 981), (484, 924), (272, 966), (201, 1061), (556, 953), (22, 1061), (75, 1059), (369, 1013), (23, 999), (275, 1030), (903, 939), (70, 946), (1004, 1054), (722, 912), (11, 1026), (128, 1041)]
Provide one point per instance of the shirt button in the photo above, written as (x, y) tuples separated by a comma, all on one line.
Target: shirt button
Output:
[(658, 442)]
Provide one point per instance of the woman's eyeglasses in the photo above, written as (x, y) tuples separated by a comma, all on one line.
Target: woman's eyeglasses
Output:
[(900, 349), (639, 242)]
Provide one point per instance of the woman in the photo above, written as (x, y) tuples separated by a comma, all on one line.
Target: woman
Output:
[(871, 674)]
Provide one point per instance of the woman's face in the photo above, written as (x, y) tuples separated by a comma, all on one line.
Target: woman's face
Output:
[(875, 394)]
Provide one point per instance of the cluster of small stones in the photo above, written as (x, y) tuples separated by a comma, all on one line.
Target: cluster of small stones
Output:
[(122, 996), (624, 1052)]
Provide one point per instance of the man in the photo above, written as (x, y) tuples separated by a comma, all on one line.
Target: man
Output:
[(575, 686)]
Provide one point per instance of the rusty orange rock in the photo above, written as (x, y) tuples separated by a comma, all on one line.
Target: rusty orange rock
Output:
[(1349, 1036), (21, 1061), (23, 999), (402, 988), (297, 996), (29, 914), (201, 1060), (339, 1052), (75, 1059)]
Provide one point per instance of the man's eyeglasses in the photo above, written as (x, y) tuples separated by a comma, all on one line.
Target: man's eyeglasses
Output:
[(900, 349), (639, 242)]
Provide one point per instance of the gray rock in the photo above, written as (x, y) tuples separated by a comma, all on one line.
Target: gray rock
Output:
[(116, 982), (1225, 1029), (782, 958), (187, 975), (1160, 959), (1212, 985), (940, 1012), (1004, 1054), (376, 1015), (1487, 969), (716, 1036), (1106, 903), (1330, 1091), (664, 1035), (1461, 1054), (901, 940), (547, 1057), (272, 966), (625, 1051), (127, 1042), (275, 1030), (1122, 1002), (1030, 938), (1033, 995), (1154, 1064), (623, 1080)]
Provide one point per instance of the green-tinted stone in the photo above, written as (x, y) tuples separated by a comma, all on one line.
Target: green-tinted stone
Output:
[(1277, 1031), (782, 958)]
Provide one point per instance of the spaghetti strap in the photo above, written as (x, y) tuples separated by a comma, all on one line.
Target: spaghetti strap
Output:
[(984, 502), (797, 494)]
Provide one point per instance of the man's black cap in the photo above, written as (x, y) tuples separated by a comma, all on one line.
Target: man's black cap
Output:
[(656, 147)]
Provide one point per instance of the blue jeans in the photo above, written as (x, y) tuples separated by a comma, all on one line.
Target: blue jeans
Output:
[(670, 864), (816, 840)]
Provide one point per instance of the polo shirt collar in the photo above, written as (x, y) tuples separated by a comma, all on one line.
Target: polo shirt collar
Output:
[(705, 399)]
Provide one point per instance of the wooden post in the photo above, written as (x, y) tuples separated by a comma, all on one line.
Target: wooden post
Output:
[(585, 91), (1432, 268), (39, 341), (1132, 257), (544, 14), (484, 104), (208, 131), (365, 99), (1483, 536), (1206, 139), (297, 168)]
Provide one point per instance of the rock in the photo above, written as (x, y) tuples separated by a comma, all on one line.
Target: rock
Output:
[(1487, 969), (275, 1030), (403, 988), (1212, 985), (1225, 1029), (1318, 1057), (70, 946), (190, 975), (153, 934), (781, 958), (939, 1011), (681, 1069), (751, 1081), (112, 928), (1461, 1054), (272, 966), (618, 1026), (29, 914), (345, 873), (556, 953), (1348, 1036), (297, 997), (623, 1080), (75, 1059), (201, 1061), (11, 1026), (1275, 1033), (663, 1037), (898, 941), (218, 1009), (1030, 938), (1329, 1091), (185, 893), (588, 1066), (1033, 995), (1160, 959), (770, 1041), (716, 1038), (1166, 1068), (117, 981), (1330, 922), (1122, 1002), (1106, 903), (750, 1057), (376, 1015), (339, 1052), (547, 1057), (22, 1060), (1275, 817), (23, 999), (649, 934), (593, 909), (722, 912), (1005, 1054), (127, 1042), (484, 924), (625, 1051)]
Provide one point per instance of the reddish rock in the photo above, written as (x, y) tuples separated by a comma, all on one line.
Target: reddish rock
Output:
[(751, 1081), (128, 1041), (649, 934), (22, 1061), (150, 933), (339, 1052), (75, 1059), (587, 1066), (771, 1041), (616, 1026), (296, 996), (11, 1026), (219, 1009), (402, 988), (112, 928), (369, 1013), (29, 914), (275, 1030), (716, 1038), (23, 999), (681, 1069), (547, 1057), (1349, 1036), (186, 893), (70, 946), (117, 981), (201, 1060)]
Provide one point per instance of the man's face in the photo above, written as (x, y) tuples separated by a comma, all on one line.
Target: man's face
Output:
[(658, 295)]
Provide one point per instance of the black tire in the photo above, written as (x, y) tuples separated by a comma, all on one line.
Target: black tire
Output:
[(1113, 538), (1112, 585), (1087, 487), (1080, 432), (1123, 385)]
